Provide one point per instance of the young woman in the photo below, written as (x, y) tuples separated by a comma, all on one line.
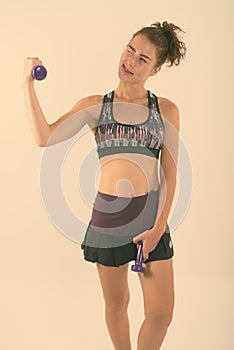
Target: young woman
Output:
[(136, 134)]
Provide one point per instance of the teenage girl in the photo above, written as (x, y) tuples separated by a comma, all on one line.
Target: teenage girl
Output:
[(137, 143)]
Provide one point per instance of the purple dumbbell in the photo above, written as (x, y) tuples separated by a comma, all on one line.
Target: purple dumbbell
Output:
[(39, 72), (138, 266)]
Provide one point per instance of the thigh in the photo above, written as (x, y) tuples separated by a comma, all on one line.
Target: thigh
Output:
[(114, 283), (157, 284)]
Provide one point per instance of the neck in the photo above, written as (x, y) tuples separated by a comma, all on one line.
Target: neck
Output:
[(130, 91)]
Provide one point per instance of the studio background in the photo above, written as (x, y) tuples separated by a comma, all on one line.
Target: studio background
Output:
[(50, 298)]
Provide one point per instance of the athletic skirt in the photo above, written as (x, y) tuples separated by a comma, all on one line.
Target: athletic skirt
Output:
[(115, 221)]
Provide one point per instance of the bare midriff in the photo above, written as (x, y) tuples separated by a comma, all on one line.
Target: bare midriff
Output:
[(128, 174)]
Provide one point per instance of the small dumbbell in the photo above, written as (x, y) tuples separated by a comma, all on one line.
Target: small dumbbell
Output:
[(39, 72), (138, 265)]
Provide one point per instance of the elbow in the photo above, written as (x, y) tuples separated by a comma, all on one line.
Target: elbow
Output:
[(170, 171), (41, 143), (169, 175), (43, 137)]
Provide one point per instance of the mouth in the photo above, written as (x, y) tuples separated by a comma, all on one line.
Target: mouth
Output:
[(126, 70)]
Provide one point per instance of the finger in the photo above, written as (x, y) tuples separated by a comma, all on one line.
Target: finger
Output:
[(135, 240), (145, 256)]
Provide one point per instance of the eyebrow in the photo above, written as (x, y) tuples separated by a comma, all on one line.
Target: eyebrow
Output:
[(141, 54)]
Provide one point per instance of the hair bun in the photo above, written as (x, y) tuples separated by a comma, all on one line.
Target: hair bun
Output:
[(165, 37)]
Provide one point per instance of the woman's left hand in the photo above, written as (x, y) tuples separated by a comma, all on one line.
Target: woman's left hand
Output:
[(150, 239)]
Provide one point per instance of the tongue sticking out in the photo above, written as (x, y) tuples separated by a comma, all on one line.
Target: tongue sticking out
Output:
[(126, 70)]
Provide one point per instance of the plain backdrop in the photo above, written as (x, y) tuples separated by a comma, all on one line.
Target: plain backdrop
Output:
[(50, 298)]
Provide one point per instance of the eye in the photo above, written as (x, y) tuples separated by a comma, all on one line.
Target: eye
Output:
[(142, 59), (130, 51)]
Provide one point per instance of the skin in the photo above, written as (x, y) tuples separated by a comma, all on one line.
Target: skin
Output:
[(137, 63)]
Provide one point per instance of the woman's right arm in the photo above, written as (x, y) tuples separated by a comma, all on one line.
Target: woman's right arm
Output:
[(38, 123), (44, 133)]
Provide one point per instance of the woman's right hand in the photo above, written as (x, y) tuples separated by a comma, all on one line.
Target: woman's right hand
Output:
[(29, 64)]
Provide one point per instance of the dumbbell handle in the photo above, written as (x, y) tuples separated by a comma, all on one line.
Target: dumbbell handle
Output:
[(138, 265), (39, 72)]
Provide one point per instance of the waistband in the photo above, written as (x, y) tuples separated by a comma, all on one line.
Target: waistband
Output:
[(107, 195), (109, 203)]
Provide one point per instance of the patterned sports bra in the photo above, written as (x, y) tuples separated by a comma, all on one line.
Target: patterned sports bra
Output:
[(114, 137)]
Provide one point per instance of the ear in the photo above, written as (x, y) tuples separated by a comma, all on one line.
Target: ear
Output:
[(155, 71)]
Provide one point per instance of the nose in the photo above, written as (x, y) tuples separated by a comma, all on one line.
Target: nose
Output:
[(132, 61)]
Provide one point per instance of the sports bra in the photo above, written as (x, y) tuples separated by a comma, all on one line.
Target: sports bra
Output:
[(114, 137)]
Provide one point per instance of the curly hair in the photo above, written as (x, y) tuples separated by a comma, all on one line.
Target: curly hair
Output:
[(169, 47)]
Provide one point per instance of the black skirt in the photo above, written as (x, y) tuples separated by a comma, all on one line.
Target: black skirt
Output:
[(115, 221)]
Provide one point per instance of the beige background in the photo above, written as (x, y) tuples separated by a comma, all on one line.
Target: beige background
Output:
[(50, 298)]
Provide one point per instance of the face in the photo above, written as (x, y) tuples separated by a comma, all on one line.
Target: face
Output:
[(138, 61)]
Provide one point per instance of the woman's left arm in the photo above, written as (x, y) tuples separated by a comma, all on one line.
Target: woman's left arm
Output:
[(168, 171), (168, 167)]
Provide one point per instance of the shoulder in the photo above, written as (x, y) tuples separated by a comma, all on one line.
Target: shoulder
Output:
[(91, 107), (88, 101), (169, 111)]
